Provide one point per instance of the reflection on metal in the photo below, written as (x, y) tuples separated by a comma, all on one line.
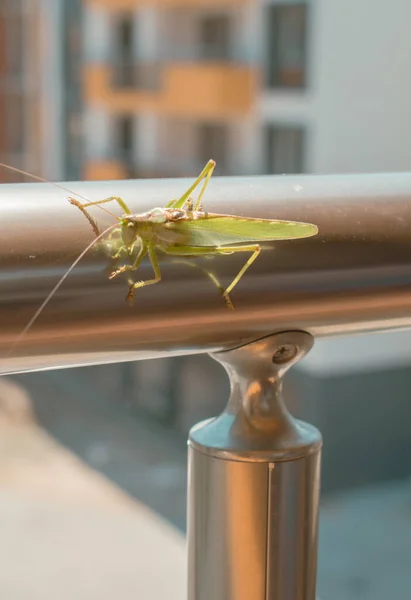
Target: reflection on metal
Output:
[(354, 276), (254, 476)]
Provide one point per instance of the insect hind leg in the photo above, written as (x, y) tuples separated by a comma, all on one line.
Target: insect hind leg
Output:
[(255, 249), (202, 251), (199, 205), (205, 173), (212, 277)]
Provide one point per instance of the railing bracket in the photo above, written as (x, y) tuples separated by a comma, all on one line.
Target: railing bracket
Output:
[(254, 477)]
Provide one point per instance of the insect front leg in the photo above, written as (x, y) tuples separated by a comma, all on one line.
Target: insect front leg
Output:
[(85, 205), (157, 275), (133, 267), (88, 216)]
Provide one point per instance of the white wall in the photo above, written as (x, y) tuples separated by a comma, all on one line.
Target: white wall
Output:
[(99, 134), (357, 107), (146, 140), (148, 39), (97, 33)]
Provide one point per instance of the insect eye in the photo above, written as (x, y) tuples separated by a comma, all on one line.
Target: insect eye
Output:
[(131, 225)]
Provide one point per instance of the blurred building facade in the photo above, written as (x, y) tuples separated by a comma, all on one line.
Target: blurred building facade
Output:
[(20, 102), (105, 89), (262, 86), (167, 85), (41, 104)]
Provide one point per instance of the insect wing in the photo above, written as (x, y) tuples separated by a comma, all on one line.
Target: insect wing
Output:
[(215, 230)]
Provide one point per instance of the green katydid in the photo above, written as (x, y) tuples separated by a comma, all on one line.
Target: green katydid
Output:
[(182, 228), (179, 229)]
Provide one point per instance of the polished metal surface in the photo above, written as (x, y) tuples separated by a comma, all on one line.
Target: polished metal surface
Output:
[(227, 528), (354, 276), (253, 486), (292, 536), (256, 424)]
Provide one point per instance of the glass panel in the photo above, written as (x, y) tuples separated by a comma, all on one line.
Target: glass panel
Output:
[(215, 37), (287, 47), (285, 150), (213, 143)]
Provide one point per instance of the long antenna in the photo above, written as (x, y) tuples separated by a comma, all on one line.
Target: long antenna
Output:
[(54, 290), (27, 174)]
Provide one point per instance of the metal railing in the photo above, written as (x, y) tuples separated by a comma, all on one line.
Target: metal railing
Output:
[(354, 276), (254, 471)]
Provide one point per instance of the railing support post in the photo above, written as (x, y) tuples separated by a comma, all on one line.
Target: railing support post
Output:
[(254, 478)]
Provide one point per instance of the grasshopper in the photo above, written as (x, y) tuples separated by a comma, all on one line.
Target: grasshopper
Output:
[(183, 228)]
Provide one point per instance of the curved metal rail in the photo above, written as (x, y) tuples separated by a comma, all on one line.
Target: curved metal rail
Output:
[(355, 276)]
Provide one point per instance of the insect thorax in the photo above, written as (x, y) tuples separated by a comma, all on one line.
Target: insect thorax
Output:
[(160, 216)]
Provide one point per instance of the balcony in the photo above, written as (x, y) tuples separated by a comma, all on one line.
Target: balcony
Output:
[(195, 90), (104, 170), (110, 170), (119, 5)]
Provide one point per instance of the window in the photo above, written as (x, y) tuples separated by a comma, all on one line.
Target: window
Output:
[(15, 44), (14, 123), (125, 139), (72, 99), (284, 149), (213, 143), (13, 29), (215, 37), (287, 45), (124, 50)]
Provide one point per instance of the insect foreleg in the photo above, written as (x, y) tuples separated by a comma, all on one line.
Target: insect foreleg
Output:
[(119, 201), (157, 275), (88, 216), (134, 266)]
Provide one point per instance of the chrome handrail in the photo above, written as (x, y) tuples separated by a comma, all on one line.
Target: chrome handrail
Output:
[(355, 276)]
